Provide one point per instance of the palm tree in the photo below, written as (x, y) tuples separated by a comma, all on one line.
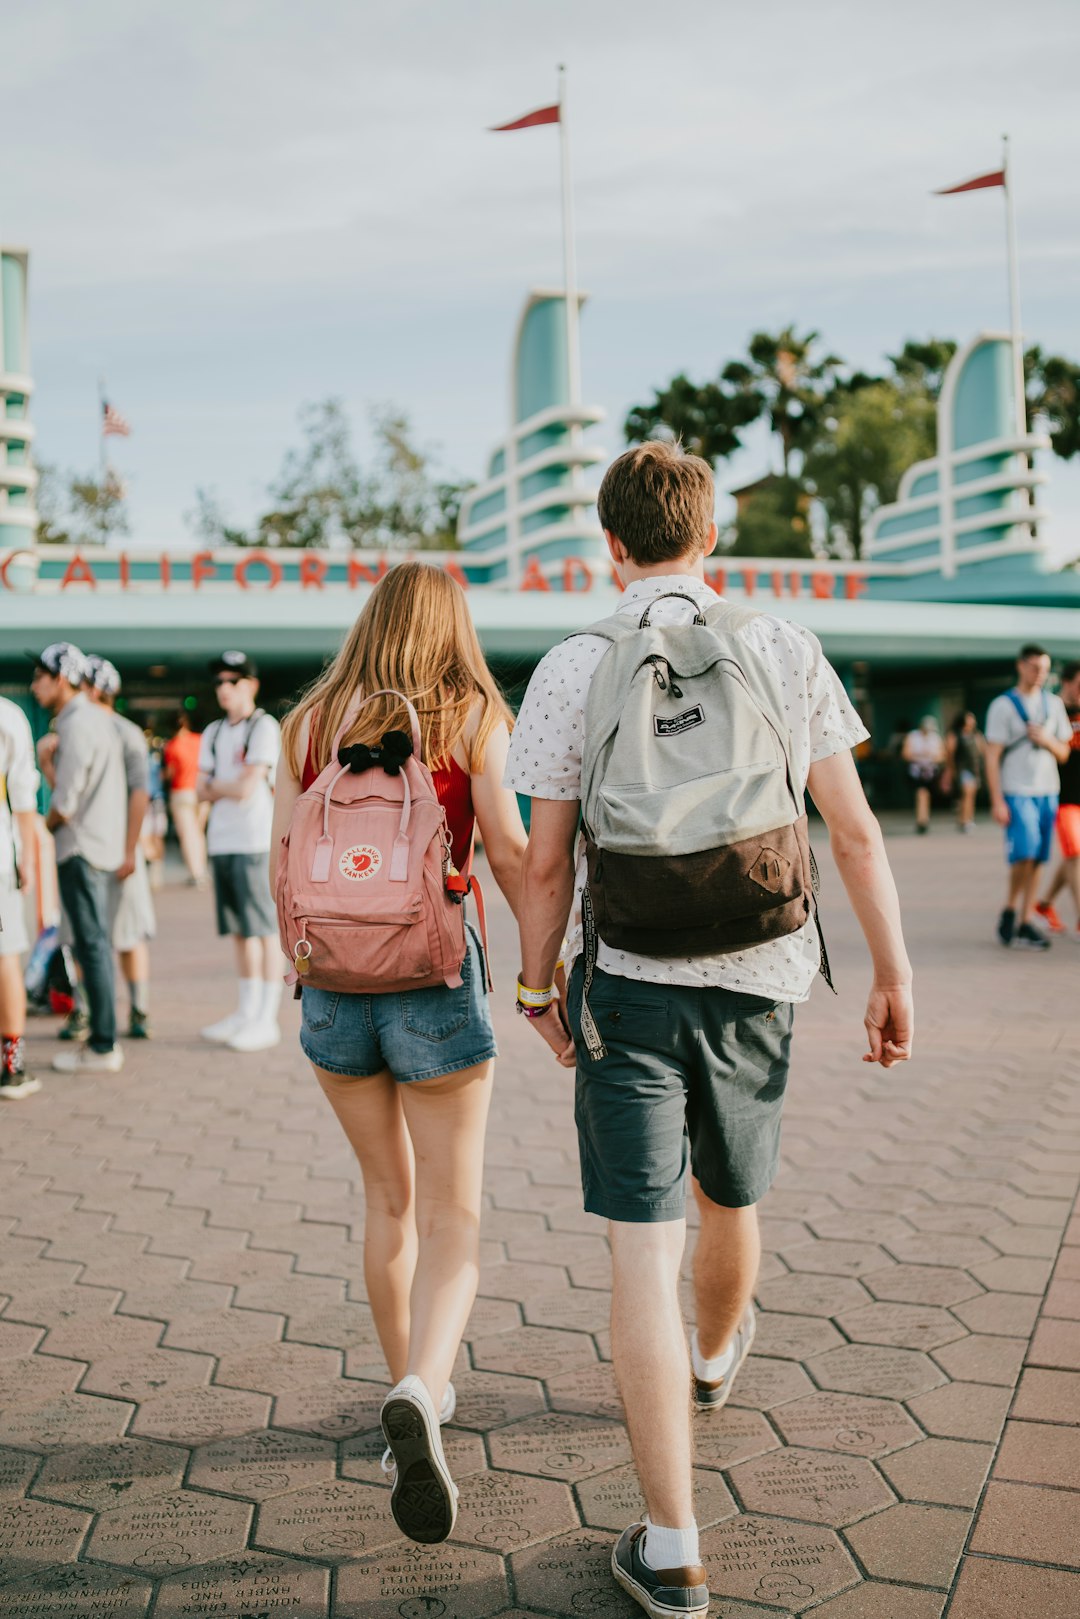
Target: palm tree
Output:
[(788, 382)]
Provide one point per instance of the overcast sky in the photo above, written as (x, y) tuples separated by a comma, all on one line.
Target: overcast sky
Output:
[(237, 206)]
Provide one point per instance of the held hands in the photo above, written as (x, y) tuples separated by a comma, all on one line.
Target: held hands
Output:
[(890, 1024), (556, 1031)]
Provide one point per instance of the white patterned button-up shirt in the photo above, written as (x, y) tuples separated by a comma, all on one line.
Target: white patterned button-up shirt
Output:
[(545, 762)]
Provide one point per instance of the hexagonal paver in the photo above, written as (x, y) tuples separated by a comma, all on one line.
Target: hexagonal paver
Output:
[(101, 1337), (835, 1258), (36, 1534), (570, 1575), (804, 1293), (590, 1391), (222, 1332), (922, 1284), (848, 1423), (908, 1326), (1010, 1315), (154, 1371), (534, 1352), (808, 1484), (767, 1560), (722, 1438), (249, 1584), (33, 1379), (17, 1339), (182, 1299), (70, 1419), (895, 1374), (283, 1295), (48, 1307), (361, 1457), (16, 1470), (490, 1316), (582, 1309), (170, 1532), (77, 1592), (277, 1367), (921, 1545), (502, 1512), (333, 1410), (490, 1400), (520, 1281), (340, 1326), (196, 1415), (794, 1337), (612, 1500), (401, 1584), (256, 1466), (763, 1383), (944, 1248), (338, 1521), (559, 1446), (871, 1600), (963, 1410), (944, 1472), (99, 1477)]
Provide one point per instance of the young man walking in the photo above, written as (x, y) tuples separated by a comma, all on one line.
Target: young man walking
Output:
[(237, 758), (1028, 734), (18, 876), (1067, 874), (696, 1047), (88, 819), (133, 920)]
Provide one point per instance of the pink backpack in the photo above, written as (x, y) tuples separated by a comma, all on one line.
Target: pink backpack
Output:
[(368, 899)]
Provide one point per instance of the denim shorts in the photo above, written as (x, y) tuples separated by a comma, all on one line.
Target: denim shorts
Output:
[(1031, 825), (416, 1034), (694, 1079)]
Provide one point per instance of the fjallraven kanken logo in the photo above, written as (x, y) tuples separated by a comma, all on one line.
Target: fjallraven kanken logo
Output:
[(368, 900), (695, 827)]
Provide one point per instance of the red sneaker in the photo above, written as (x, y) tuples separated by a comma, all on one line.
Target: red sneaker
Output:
[(1051, 918)]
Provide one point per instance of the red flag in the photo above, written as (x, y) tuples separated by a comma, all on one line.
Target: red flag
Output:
[(542, 115), (980, 183)]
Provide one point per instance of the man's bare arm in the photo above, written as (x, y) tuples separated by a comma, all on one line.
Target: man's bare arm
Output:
[(547, 893), (859, 851)]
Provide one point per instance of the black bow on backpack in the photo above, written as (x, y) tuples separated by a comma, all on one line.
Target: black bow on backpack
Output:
[(391, 753)]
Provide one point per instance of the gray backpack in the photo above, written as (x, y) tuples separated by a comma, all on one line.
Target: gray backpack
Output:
[(694, 821)]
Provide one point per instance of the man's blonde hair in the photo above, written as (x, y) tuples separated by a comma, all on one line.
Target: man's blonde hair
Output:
[(658, 501)]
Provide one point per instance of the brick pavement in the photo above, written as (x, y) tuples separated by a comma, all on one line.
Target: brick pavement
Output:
[(189, 1381)]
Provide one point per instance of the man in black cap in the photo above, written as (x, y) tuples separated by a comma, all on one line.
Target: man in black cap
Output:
[(236, 766), (88, 819)]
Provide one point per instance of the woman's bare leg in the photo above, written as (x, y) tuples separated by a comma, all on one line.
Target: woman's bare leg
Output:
[(370, 1113), (446, 1119)]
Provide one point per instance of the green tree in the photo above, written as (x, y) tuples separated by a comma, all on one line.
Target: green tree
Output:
[(921, 367), (1053, 392), (51, 501), (97, 508), (870, 438), (772, 523), (707, 418), (788, 383)]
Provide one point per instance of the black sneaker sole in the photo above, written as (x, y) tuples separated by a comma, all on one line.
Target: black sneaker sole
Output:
[(423, 1500), (644, 1597)]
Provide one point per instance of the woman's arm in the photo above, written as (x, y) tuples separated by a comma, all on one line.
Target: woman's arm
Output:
[(286, 791), (499, 818)]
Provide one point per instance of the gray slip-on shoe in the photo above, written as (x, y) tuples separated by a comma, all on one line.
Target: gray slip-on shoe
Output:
[(664, 1593), (710, 1396)]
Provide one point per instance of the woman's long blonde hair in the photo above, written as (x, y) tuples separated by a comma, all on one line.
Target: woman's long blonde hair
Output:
[(414, 635)]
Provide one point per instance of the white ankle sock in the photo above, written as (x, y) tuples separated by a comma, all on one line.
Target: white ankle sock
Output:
[(710, 1371), (670, 1548), (251, 992), (271, 999)]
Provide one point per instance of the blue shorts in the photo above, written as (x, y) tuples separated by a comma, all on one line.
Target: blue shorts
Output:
[(417, 1034), (1029, 833)]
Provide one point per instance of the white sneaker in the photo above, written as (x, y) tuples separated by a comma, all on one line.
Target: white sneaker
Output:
[(224, 1029), (257, 1035), (446, 1414), (84, 1061), (424, 1497)]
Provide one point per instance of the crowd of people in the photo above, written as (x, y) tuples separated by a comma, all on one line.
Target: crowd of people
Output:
[(664, 895)]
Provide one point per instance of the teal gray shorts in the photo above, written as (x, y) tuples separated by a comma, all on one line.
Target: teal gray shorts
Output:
[(693, 1079)]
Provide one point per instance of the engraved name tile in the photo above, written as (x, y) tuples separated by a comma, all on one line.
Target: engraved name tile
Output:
[(336, 1410), (809, 1484), (560, 1446), (423, 1582), (503, 1512), (896, 1374), (36, 1534), (170, 1532), (590, 1392), (99, 1477), (490, 1400), (780, 1564), (257, 1466), (732, 1435), (848, 1423), (77, 1592), (361, 1457), (571, 1576), (69, 1419), (613, 1500), (195, 1415), (249, 1585), (335, 1521)]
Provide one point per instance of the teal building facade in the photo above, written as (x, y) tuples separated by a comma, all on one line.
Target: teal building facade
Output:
[(18, 480)]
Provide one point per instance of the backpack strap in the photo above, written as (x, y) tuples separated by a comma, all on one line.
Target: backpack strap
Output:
[(728, 617), (1014, 698)]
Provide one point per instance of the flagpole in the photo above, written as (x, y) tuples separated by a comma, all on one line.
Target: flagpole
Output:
[(573, 349), (103, 460), (1014, 298)]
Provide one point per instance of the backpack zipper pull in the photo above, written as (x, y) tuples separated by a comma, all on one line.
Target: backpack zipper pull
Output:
[(676, 691)]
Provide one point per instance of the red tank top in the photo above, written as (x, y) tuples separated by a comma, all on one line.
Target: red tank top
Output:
[(453, 788)]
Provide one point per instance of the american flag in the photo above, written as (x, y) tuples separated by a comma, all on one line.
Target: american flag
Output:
[(113, 422)]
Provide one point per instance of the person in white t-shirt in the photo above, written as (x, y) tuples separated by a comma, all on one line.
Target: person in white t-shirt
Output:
[(924, 755), (18, 871), (237, 759), (695, 1048)]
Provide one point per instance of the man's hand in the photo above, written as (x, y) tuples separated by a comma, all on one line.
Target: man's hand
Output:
[(890, 1024), (1000, 811), (122, 873), (1040, 735), (555, 1031)]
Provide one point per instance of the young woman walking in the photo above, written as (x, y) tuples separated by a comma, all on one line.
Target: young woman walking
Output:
[(409, 1075)]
